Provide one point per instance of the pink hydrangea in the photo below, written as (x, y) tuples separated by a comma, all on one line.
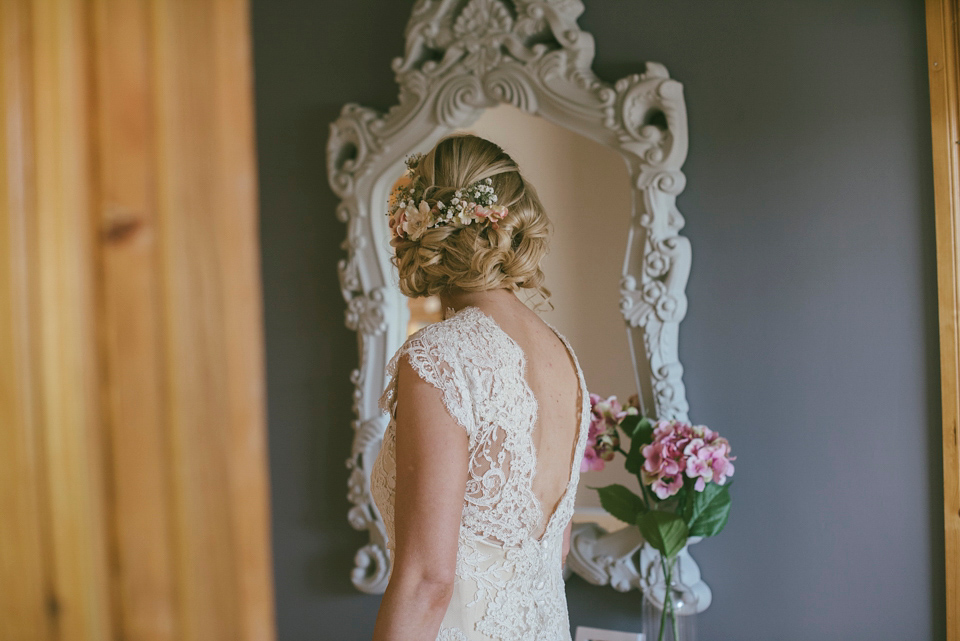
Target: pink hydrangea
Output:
[(679, 449), (603, 440), (590, 461)]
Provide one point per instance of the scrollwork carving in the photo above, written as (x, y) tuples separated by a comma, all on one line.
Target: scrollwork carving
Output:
[(371, 569), (457, 99), (510, 87), (365, 313)]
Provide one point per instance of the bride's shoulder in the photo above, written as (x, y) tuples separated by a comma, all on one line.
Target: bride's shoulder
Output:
[(462, 334), (432, 334), (433, 338)]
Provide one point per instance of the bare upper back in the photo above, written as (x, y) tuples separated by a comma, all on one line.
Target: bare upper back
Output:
[(551, 374)]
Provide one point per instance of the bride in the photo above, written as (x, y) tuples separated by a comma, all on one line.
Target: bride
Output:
[(489, 412)]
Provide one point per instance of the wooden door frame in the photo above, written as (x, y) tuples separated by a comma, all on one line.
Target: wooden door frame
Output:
[(944, 67), (134, 498)]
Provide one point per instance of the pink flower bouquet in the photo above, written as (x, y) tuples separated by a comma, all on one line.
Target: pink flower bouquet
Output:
[(682, 470)]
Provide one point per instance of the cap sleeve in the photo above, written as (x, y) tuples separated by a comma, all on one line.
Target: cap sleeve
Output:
[(434, 360)]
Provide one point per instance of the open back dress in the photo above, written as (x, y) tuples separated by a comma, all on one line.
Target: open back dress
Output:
[(509, 577)]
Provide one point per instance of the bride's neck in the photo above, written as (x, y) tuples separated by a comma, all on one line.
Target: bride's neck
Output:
[(458, 299)]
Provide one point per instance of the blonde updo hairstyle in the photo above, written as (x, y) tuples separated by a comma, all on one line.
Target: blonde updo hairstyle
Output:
[(475, 257)]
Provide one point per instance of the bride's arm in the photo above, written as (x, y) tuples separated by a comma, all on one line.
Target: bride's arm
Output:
[(566, 540), (431, 450)]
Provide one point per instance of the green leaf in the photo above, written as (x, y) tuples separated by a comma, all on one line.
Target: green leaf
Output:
[(630, 422), (634, 458), (644, 431), (642, 435), (665, 531), (694, 499), (621, 502), (707, 513)]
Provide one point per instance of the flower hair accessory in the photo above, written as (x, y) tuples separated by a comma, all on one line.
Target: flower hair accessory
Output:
[(410, 215)]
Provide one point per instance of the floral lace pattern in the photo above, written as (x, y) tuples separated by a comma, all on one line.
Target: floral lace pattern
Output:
[(509, 562)]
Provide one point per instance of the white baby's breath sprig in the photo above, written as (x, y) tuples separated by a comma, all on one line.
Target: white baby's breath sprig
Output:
[(410, 215)]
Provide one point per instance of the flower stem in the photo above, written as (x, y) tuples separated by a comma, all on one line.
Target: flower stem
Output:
[(646, 500), (673, 612), (666, 599)]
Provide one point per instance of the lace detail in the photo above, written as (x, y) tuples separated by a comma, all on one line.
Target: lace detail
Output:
[(435, 360), (510, 582)]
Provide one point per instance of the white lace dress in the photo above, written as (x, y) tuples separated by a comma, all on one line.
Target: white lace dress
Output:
[(509, 583)]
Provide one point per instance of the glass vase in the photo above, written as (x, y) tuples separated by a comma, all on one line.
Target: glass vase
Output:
[(669, 606)]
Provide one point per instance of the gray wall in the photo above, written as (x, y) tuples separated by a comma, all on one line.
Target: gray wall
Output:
[(811, 336)]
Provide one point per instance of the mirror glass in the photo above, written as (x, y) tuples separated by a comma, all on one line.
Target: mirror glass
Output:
[(585, 188)]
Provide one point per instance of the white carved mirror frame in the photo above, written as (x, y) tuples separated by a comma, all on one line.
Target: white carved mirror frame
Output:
[(463, 56)]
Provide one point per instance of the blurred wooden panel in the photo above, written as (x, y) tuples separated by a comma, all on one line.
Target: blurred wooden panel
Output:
[(215, 404), (24, 569), (944, 69), (61, 262), (133, 477), (130, 323), (237, 246)]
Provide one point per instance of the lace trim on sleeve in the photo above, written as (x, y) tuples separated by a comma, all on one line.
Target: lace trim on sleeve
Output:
[(428, 356), (386, 402)]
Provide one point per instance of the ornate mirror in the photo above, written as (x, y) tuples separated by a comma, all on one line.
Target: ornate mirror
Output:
[(519, 73)]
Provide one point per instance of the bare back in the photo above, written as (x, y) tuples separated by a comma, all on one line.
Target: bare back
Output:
[(552, 377)]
